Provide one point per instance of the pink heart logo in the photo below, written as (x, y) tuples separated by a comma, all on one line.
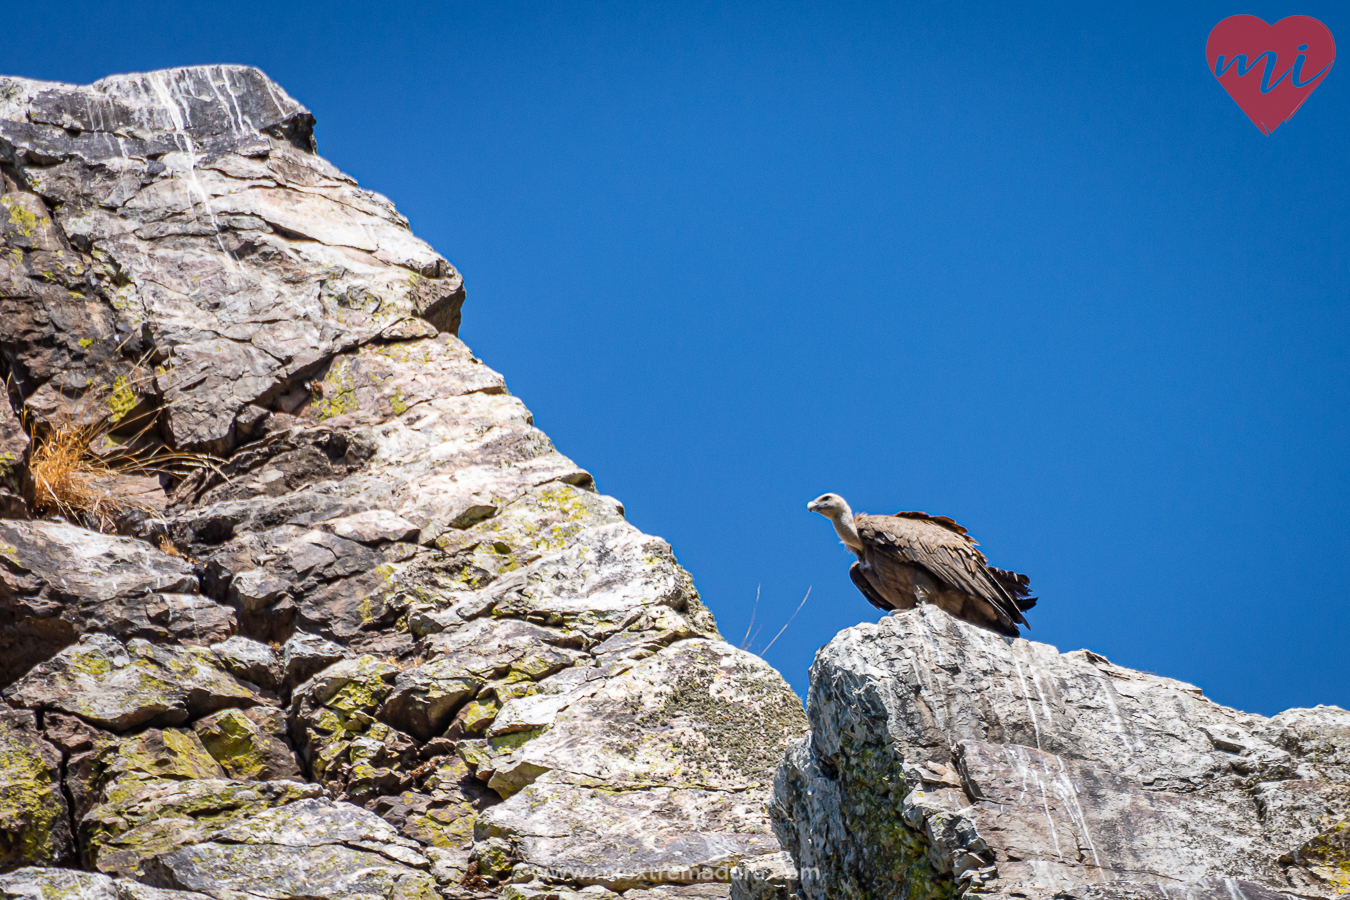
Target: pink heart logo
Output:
[(1270, 69)]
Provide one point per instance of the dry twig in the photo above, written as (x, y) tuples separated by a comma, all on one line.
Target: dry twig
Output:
[(788, 622)]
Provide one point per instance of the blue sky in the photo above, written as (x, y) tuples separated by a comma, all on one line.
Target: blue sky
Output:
[(1028, 267)]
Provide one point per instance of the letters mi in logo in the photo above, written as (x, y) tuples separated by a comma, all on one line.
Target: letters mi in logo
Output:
[(1270, 69)]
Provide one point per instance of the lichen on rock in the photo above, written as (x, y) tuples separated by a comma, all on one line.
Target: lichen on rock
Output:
[(34, 829), (249, 745), (120, 687)]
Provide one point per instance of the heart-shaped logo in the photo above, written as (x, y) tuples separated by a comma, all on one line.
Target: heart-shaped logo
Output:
[(1270, 69)]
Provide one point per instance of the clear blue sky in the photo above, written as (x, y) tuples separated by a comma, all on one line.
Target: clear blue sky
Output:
[(1030, 268)]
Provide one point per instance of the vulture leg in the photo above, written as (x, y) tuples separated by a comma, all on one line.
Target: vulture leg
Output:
[(859, 579)]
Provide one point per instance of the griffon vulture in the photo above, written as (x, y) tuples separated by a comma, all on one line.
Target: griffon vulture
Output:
[(911, 558)]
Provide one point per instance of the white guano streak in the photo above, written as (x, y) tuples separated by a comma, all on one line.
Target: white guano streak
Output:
[(1016, 755), (168, 96), (1064, 788), (1026, 695)]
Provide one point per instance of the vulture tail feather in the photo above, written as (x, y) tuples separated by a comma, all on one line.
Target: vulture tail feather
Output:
[(1017, 585)]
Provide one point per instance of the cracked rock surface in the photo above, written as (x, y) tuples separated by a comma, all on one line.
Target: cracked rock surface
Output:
[(386, 641), (944, 759)]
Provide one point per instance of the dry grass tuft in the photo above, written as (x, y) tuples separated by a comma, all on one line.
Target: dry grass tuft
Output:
[(69, 480), (76, 464)]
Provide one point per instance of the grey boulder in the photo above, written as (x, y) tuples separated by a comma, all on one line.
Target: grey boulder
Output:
[(312, 848), (946, 758), (684, 743), (34, 883)]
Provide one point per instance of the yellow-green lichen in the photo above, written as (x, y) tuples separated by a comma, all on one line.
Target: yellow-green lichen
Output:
[(887, 852), (492, 860), (119, 836), (121, 399), (505, 743), (478, 715), (125, 767), (358, 697), (339, 392), (92, 664), (1328, 856), (369, 609), (233, 739), (31, 804), (403, 351), (449, 827), (25, 222)]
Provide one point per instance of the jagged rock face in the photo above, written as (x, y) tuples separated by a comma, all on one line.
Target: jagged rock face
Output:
[(686, 740), (182, 216), (387, 642), (944, 758), (61, 582)]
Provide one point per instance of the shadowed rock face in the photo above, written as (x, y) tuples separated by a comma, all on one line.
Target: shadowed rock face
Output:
[(944, 758), (391, 641)]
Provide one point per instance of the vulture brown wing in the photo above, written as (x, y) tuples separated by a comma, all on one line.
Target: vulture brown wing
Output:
[(945, 521), (945, 551)]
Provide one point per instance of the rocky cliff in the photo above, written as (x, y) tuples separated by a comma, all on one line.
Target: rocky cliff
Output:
[(294, 599), (944, 759)]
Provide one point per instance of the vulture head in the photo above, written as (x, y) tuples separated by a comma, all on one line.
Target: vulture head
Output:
[(833, 507)]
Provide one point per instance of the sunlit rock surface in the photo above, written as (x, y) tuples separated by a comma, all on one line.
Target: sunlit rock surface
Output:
[(944, 758), (386, 641)]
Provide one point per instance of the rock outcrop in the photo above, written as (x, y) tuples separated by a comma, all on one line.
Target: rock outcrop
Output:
[(344, 623), (944, 759)]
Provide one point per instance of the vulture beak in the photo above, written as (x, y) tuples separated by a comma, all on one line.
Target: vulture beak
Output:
[(811, 507)]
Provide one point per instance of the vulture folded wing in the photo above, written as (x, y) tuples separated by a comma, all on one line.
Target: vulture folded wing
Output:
[(855, 573), (943, 548)]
